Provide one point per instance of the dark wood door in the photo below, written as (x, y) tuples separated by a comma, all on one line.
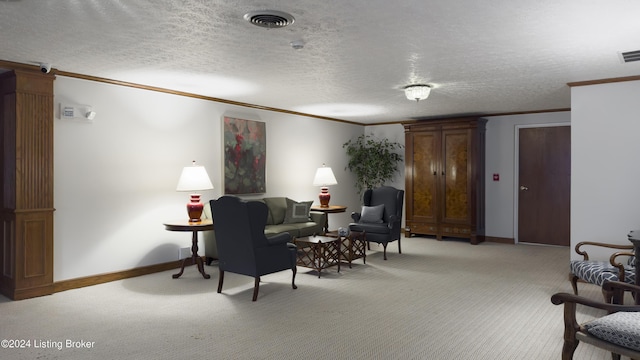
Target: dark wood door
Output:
[(425, 160), (544, 185), (455, 172)]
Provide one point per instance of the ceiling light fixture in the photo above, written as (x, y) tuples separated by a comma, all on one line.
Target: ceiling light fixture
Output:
[(417, 92)]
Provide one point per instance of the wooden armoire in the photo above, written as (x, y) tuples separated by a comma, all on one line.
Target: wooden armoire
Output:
[(444, 172)]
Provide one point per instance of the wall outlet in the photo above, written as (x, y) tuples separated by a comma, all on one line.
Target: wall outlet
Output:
[(185, 252)]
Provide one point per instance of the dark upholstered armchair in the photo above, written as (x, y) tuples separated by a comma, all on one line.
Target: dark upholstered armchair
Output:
[(242, 245), (381, 216), (618, 332)]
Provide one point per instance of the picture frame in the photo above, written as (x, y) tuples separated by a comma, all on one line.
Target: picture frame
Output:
[(245, 156)]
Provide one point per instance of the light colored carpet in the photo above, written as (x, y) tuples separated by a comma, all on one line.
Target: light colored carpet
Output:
[(436, 300)]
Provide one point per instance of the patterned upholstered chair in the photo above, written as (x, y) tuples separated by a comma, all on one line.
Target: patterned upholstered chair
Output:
[(617, 332), (620, 267)]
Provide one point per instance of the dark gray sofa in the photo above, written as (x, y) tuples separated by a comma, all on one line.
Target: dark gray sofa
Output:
[(278, 221)]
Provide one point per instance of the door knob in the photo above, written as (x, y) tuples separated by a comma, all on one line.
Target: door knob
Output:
[(523, 188)]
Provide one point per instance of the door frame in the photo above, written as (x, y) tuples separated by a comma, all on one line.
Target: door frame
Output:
[(516, 170)]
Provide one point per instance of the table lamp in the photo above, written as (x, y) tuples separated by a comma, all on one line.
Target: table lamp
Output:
[(194, 178), (324, 177)]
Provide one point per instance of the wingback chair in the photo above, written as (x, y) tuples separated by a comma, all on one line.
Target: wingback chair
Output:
[(381, 216), (618, 332), (242, 245)]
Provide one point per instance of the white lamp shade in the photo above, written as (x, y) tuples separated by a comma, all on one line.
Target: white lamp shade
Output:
[(194, 178), (324, 177)]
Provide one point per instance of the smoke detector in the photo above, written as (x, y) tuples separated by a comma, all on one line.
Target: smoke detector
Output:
[(270, 19), (297, 44)]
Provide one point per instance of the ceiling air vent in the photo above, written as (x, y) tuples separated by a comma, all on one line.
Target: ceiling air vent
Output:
[(270, 19), (630, 56)]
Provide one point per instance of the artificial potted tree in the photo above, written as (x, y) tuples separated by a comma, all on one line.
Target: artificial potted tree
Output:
[(373, 161)]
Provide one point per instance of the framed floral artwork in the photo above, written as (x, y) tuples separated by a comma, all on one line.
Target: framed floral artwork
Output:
[(245, 156)]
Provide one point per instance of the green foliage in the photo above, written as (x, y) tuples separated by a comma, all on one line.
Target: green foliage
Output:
[(373, 161)]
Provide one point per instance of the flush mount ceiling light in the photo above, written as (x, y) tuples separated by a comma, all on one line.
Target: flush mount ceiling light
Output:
[(417, 92), (270, 19)]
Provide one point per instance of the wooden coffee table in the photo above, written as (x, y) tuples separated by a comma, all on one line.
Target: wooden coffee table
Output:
[(318, 252), (354, 247)]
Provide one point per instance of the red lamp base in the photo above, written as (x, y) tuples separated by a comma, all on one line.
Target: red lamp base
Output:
[(324, 196), (194, 208)]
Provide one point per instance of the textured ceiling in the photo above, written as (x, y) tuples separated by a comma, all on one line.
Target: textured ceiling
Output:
[(481, 57)]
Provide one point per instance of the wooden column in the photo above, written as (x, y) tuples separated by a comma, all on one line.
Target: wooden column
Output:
[(26, 196)]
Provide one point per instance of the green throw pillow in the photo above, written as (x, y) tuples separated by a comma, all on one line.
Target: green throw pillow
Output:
[(277, 209), (297, 212)]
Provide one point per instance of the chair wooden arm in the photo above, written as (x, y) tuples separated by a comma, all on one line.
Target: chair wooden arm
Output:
[(613, 261), (591, 243), (561, 298), (570, 301)]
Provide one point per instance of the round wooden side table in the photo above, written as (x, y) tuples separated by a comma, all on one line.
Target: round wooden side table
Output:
[(193, 227), (331, 209)]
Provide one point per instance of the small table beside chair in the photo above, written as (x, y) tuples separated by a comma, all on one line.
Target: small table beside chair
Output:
[(194, 227)]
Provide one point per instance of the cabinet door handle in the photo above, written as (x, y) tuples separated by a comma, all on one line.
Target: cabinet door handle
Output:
[(434, 173), (443, 173)]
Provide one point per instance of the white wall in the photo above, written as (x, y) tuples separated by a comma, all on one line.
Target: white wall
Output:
[(605, 194), (500, 158), (115, 176)]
